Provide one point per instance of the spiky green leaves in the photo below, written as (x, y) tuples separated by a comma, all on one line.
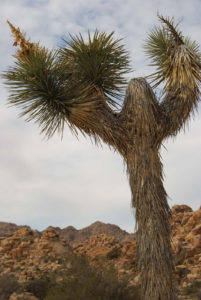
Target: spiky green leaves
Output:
[(41, 88), (67, 85), (101, 62), (163, 46)]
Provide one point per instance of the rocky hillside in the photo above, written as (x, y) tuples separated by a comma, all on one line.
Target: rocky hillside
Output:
[(27, 254), (73, 235), (7, 229)]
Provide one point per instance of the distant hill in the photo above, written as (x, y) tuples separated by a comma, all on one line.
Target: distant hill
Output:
[(73, 235), (7, 229)]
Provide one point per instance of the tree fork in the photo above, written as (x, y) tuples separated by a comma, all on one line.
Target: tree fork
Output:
[(149, 198)]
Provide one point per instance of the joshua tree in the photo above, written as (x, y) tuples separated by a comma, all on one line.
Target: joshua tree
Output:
[(80, 83)]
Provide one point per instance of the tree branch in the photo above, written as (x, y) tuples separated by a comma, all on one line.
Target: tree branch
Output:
[(140, 111), (181, 90), (101, 123)]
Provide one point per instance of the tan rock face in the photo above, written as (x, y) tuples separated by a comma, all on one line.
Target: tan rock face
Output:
[(50, 234), (176, 209), (186, 244), (97, 246), (28, 255), (22, 296), (18, 244)]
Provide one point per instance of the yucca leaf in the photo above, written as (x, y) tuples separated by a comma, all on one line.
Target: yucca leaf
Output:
[(101, 61), (161, 43), (43, 90)]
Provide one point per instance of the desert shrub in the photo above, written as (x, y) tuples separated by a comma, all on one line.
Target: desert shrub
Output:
[(191, 261), (199, 296), (193, 289), (81, 282), (182, 272), (114, 253), (84, 283), (8, 285), (39, 287)]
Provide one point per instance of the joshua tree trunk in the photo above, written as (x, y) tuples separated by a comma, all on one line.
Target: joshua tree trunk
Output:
[(154, 259), (149, 198)]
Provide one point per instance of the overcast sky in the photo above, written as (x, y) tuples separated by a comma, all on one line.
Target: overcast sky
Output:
[(72, 182)]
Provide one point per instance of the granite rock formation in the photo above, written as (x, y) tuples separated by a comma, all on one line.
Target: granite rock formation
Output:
[(27, 254)]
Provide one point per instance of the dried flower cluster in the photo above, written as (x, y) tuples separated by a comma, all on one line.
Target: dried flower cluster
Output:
[(25, 46)]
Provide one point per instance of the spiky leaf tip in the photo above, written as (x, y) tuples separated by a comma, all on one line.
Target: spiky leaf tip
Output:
[(35, 86), (161, 44), (100, 61)]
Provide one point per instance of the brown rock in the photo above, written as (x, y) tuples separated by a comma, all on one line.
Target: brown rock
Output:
[(7, 229), (181, 209), (129, 250), (24, 232), (50, 234), (28, 253), (197, 230), (23, 296)]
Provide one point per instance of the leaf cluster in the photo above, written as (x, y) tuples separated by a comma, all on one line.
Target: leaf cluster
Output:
[(101, 61), (40, 88), (161, 44), (48, 85)]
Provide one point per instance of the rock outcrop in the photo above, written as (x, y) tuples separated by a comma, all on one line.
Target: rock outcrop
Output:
[(7, 229), (186, 247), (28, 254), (23, 296), (186, 244)]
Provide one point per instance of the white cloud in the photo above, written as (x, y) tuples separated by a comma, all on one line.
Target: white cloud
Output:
[(69, 182)]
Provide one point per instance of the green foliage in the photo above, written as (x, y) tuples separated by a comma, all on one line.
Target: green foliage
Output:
[(8, 285), (40, 87), (82, 282), (79, 281), (101, 61), (39, 287), (160, 44), (193, 290), (114, 253), (47, 85)]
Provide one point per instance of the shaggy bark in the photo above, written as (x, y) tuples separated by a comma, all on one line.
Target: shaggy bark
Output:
[(149, 198)]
